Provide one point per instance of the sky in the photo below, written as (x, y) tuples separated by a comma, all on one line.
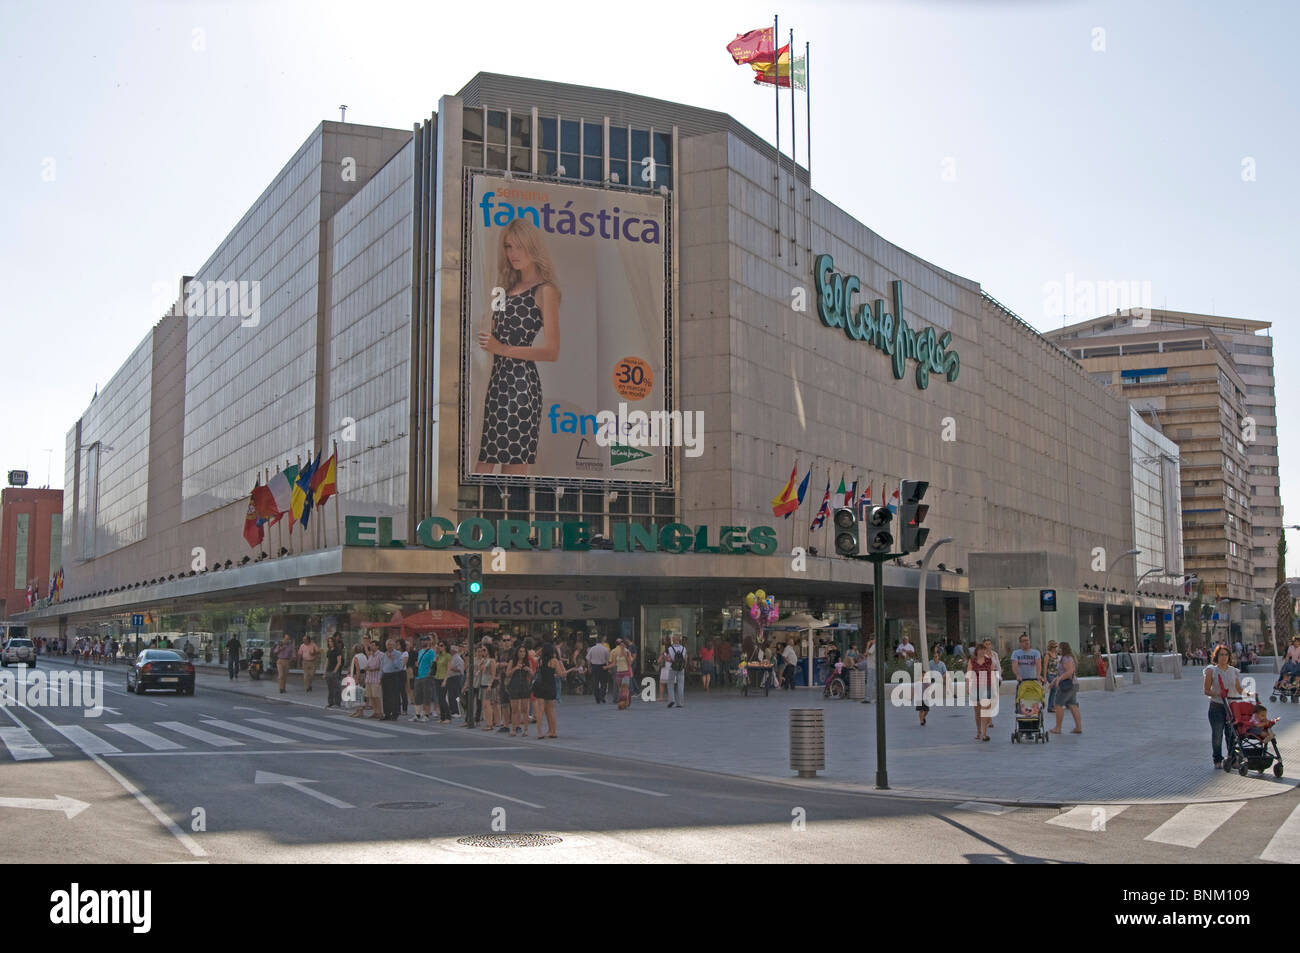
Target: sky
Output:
[(1020, 144)]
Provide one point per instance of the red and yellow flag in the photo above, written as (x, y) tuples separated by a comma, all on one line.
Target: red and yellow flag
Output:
[(779, 71), (787, 501), (747, 47)]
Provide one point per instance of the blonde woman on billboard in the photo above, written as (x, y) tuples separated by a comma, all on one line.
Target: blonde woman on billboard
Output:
[(512, 409)]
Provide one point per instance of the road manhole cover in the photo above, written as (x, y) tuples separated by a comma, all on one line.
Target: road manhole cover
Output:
[(509, 840), (410, 805)]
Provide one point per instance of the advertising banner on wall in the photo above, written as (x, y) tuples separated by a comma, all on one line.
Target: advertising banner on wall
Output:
[(565, 334)]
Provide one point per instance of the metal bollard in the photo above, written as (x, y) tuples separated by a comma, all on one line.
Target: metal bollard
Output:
[(807, 741)]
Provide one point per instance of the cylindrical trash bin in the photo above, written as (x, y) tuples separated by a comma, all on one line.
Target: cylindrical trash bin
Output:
[(807, 741), (857, 685)]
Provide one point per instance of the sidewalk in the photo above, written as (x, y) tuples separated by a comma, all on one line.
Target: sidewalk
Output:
[(1146, 744)]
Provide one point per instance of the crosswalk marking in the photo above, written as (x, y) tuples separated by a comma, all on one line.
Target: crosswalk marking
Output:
[(1088, 817), (318, 735), (249, 732), (1285, 845), (198, 734), (22, 746), (984, 807), (350, 729), (145, 737), (1194, 823), (87, 742)]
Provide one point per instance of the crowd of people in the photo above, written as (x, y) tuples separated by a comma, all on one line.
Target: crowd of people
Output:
[(100, 650)]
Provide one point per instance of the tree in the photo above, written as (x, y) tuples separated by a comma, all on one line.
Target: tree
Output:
[(1191, 632), (1284, 610)]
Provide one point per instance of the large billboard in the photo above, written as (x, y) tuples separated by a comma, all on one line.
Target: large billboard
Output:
[(565, 334)]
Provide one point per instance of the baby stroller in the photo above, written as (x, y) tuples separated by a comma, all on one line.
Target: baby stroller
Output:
[(1287, 684), (1029, 713), (1249, 751)]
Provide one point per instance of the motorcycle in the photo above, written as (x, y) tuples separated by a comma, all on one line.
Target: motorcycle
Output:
[(255, 665)]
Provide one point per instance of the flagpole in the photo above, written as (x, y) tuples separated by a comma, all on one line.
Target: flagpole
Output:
[(794, 160), (301, 541), (807, 85), (776, 89), (338, 534)]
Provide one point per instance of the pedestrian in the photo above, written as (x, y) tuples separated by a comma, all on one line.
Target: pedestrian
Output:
[(375, 680), (790, 660), (983, 688), (867, 665), (485, 674), (334, 672), (308, 653), (677, 659), (454, 682), (1026, 662), (519, 678), (707, 666), (722, 653), (906, 650), (408, 662), (549, 672), (620, 661), (665, 671), (598, 661), (1051, 665), (424, 690), (440, 669), (1067, 690), (391, 672), (941, 671), (1222, 684), (283, 657), (503, 703)]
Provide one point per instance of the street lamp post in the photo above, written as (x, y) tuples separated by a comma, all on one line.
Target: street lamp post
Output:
[(920, 603), (1105, 618), (1136, 587)]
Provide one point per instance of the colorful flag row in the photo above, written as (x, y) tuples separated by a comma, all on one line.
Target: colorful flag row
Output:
[(294, 491), (789, 500), (772, 66)]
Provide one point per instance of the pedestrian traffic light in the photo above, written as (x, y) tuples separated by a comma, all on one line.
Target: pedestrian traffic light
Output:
[(880, 541), (474, 573), (911, 515), (846, 531)]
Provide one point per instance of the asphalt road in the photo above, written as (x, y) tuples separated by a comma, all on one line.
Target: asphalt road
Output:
[(225, 778)]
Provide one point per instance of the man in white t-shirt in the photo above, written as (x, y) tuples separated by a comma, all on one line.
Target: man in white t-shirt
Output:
[(791, 664), (906, 649)]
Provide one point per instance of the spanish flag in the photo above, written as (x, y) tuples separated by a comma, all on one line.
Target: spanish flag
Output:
[(324, 483), (786, 502), (777, 71)]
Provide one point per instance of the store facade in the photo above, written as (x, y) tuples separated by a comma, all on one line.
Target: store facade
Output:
[(716, 323)]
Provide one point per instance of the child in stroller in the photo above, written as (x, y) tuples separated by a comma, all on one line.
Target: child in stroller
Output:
[(1253, 736), (1287, 685), (1029, 713)]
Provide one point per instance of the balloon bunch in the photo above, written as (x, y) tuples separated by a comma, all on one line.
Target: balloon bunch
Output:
[(762, 607)]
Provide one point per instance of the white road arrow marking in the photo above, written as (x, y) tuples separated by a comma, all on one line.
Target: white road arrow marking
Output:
[(540, 772), (266, 777), (69, 806)]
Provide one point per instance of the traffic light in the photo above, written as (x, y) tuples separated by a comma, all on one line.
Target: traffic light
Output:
[(474, 573), (846, 531), (911, 515), (880, 541)]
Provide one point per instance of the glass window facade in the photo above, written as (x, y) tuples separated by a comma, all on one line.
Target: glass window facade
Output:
[(370, 348), (250, 390), (22, 539)]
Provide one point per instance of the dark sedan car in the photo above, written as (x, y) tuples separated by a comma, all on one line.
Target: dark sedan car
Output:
[(163, 669)]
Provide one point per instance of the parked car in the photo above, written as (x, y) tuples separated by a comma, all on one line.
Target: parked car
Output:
[(161, 669), (18, 650)]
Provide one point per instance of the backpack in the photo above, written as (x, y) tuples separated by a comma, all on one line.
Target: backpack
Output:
[(678, 660)]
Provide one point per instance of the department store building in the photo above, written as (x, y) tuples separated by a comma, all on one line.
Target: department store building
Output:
[(801, 337)]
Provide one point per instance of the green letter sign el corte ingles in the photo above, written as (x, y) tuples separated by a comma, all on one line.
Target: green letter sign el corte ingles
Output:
[(887, 332)]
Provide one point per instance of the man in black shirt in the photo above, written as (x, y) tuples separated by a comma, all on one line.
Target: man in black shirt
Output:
[(232, 656)]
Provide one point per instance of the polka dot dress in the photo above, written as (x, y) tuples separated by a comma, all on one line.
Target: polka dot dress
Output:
[(512, 412)]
